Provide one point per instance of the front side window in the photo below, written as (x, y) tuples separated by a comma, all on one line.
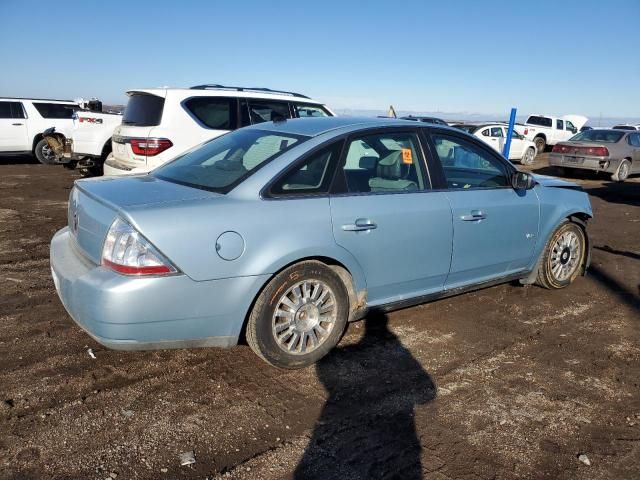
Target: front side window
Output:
[(55, 110), (559, 125), (496, 132), (569, 125), (467, 166), (259, 111), (313, 176), (220, 164), (388, 162), (217, 113), (304, 111)]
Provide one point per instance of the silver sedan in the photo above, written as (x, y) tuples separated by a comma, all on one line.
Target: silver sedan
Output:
[(613, 151)]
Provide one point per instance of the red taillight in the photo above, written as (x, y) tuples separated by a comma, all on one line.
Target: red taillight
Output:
[(126, 270), (526, 131), (149, 146), (576, 150)]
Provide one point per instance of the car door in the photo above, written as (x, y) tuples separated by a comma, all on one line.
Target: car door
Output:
[(386, 215), (494, 226), (634, 142), (13, 127), (517, 145)]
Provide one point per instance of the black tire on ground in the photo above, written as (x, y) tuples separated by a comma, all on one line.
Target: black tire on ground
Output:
[(622, 172), (528, 157), (91, 171), (262, 327), (554, 255), (43, 153), (540, 144)]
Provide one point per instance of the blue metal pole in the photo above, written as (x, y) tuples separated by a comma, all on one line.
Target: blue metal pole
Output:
[(512, 122)]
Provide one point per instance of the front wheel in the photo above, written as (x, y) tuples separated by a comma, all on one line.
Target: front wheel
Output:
[(299, 316), (622, 172), (563, 256), (528, 157), (44, 154)]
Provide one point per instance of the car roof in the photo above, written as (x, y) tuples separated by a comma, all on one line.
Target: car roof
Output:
[(317, 126), (38, 99), (225, 92)]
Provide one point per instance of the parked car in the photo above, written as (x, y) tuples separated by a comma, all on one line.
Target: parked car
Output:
[(626, 127), (495, 135), (286, 231), (162, 123), (23, 121), (613, 151), (546, 130), (419, 118), (88, 144)]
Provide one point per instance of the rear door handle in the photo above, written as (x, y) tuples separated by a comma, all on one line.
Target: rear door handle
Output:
[(475, 216), (360, 225), (16, 124)]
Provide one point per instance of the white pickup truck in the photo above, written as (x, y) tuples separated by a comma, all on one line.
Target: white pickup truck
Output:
[(546, 130), (87, 144)]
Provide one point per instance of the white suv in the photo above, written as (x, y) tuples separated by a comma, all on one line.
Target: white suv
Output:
[(161, 123), (23, 121)]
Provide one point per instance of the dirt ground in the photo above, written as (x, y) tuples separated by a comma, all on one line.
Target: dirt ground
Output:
[(507, 382)]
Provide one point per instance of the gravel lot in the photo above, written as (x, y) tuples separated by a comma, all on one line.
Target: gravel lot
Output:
[(507, 382)]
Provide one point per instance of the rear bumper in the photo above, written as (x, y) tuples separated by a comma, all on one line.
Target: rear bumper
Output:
[(598, 164), (114, 167), (127, 313)]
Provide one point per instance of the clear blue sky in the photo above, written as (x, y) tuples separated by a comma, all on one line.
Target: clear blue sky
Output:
[(451, 56)]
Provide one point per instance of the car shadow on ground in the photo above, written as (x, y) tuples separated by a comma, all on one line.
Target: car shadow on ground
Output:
[(18, 160), (624, 294), (367, 428)]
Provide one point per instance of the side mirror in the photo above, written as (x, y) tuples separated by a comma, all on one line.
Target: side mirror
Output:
[(574, 130), (522, 181)]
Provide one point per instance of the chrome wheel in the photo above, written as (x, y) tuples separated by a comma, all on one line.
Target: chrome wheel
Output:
[(566, 255), (623, 171), (529, 155), (48, 154), (304, 317)]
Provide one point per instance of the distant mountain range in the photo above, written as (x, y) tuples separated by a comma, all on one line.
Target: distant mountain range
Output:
[(478, 117)]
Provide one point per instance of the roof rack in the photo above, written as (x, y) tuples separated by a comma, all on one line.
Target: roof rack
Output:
[(213, 86)]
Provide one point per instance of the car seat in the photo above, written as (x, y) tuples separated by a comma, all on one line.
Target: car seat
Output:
[(391, 174)]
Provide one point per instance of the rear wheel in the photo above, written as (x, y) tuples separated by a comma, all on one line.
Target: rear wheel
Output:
[(299, 316), (563, 256), (622, 172), (528, 157), (44, 154), (540, 144)]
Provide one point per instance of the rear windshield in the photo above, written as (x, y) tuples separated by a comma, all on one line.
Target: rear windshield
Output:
[(55, 110), (542, 121), (143, 110), (600, 136), (225, 161)]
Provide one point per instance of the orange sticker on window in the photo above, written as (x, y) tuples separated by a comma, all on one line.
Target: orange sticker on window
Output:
[(407, 156)]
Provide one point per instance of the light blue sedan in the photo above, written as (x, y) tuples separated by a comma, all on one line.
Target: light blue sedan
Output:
[(286, 231)]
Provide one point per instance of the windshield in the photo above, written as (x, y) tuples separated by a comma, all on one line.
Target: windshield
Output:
[(223, 162), (600, 136)]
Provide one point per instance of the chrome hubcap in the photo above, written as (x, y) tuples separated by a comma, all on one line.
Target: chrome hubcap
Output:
[(565, 256), (304, 317), (47, 152), (624, 170)]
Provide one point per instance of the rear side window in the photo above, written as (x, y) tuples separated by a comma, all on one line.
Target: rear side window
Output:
[(313, 176), (634, 139), (55, 110), (559, 124), (217, 113), (143, 110), (11, 110), (542, 121), (624, 127), (304, 111), (259, 111)]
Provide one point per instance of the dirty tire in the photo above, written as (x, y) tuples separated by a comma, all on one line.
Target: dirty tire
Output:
[(41, 153), (546, 276), (260, 327), (529, 156), (540, 144), (622, 172)]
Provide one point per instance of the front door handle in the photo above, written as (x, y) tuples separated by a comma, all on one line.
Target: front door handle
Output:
[(475, 216), (16, 124), (360, 225)]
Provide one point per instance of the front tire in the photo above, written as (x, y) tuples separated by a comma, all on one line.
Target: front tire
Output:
[(44, 154), (563, 257), (299, 316), (622, 172), (528, 157)]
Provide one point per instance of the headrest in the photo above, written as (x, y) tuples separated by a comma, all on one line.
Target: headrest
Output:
[(368, 163), (390, 167)]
